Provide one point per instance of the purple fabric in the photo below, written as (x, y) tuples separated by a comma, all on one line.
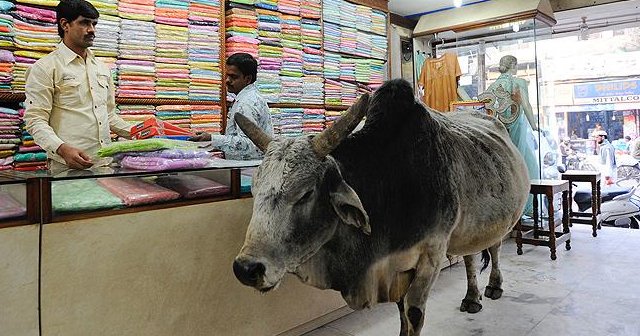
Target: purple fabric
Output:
[(160, 164), (193, 186), (7, 56), (9, 207), (168, 154)]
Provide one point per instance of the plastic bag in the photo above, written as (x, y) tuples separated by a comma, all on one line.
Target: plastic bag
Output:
[(160, 164), (145, 145), (82, 195), (193, 186)]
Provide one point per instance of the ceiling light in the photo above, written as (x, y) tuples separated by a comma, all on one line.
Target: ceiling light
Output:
[(457, 3), (516, 27)]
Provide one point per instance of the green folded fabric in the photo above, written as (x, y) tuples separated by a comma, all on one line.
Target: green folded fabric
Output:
[(82, 195), (30, 157), (145, 145)]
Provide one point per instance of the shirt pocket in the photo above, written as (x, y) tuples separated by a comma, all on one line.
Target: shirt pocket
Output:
[(101, 91), (69, 92)]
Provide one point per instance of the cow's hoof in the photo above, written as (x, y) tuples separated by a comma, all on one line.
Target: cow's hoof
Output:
[(493, 293), (470, 306)]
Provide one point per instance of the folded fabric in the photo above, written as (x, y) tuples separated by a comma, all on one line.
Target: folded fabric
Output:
[(9, 207), (145, 145), (82, 195), (134, 191), (168, 154), (193, 186), (29, 157), (161, 164)]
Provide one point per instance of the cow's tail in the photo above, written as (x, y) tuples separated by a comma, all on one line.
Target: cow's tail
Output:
[(486, 258)]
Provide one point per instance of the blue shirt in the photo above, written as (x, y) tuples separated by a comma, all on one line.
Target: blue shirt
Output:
[(235, 144)]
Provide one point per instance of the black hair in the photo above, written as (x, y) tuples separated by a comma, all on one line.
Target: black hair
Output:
[(245, 63), (72, 9)]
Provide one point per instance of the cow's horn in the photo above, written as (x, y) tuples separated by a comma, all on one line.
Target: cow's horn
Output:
[(255, 134), (331, 137)]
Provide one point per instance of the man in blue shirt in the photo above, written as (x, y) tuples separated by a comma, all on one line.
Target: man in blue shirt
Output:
[(242, 70)]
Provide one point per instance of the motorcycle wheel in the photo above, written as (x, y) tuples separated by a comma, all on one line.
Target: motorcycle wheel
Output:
[(635, 224)]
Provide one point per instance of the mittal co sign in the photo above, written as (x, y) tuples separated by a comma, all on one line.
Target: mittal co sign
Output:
[(627, 91)]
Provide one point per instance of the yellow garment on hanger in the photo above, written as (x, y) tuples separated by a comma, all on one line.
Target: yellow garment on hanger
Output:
[(438, 78)]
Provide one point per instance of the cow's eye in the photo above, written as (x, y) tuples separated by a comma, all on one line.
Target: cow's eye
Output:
[(305, 197)]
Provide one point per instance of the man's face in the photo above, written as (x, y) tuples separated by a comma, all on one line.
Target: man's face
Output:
[(599, 139), (236, 80), (80, 32)]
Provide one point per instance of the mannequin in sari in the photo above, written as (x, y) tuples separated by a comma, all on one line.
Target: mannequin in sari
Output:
[(508, 100)]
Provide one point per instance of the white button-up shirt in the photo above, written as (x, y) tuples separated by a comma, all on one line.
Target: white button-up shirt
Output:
[(70, 100), (235, 144)]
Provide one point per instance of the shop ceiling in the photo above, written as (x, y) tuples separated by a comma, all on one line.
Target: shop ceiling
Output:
[(413, 9)]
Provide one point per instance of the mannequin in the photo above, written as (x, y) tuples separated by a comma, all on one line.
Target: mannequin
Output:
[(508, 100)]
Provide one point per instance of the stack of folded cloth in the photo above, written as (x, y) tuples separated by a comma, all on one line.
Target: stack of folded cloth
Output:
[(312, 90), (136, 79), (137, 40), (363, 17), (172, 81), (136, 113), (206, 118), (348, 69), (313, 121), (348, 14), (291, 31), (289, 7), (172, 44), (291, 89), (267, 4), (35, 29), (331, 10), (106, 8), (204, 51), (105, 43), (45, 3), (6, 24), (139, 10), (10, 121), (135, 191), (332, 92), (332, 65), (24, 60), (30, 157), (287, 121), (311, 9), (349, 93), (379, 22), (172, 12), (348, 40), (313, 62), (236, 44), (9, 207), (6, 70), (332, 116), (241, 22), (192, 186), (331, 37), (311, 33), (179, 115), (379, 47), (363, 44), (268, 82)]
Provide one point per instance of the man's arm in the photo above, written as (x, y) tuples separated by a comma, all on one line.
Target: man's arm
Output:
[(118, 125), (39, 90), (238, 146)]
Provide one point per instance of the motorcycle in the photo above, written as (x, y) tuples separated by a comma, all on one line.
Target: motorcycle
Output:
[(620, 205), (628, 167)]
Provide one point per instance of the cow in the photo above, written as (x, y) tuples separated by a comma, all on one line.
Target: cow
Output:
[(374, 213)]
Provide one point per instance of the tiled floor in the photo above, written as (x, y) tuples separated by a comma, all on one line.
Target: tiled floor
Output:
[(593, 289)]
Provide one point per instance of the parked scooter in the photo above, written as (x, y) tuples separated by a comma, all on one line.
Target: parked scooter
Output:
[(628, 167), (620, 205)]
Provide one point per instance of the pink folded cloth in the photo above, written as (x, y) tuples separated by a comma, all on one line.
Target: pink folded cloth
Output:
[(29, 149), (134, 191), (9, 207)]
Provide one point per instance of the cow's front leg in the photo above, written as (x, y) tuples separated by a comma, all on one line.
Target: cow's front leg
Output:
[(404, 320), (427, 272), (471, 302), (494, 289)]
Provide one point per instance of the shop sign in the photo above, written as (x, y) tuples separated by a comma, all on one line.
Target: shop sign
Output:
[(607, 92)]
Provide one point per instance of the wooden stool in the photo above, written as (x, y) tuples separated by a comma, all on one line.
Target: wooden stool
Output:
[(532, 234), (592, 177)]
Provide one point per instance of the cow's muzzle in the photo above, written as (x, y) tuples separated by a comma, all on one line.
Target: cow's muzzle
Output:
[(249, 272)]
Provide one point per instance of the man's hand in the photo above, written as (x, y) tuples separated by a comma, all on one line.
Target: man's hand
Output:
[(608, 180), (201, 136), (73, 157)]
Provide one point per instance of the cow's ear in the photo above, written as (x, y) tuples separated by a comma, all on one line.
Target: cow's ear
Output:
[(347, 205)]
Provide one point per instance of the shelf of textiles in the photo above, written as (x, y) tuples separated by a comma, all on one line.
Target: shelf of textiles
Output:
[(286, 38), (155, 48), (296, 121), (18, 151)]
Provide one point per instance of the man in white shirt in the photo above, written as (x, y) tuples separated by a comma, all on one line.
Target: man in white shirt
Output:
[(70, 104), (242, 70), (607, 157)]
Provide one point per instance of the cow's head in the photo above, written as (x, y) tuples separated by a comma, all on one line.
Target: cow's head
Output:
[(300, 198)]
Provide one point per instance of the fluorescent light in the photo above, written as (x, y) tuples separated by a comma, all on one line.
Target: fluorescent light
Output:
[(457, 3), (516, 27)]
